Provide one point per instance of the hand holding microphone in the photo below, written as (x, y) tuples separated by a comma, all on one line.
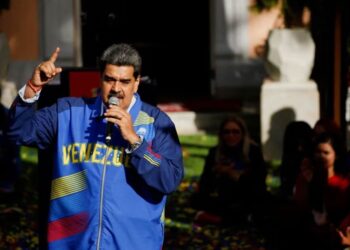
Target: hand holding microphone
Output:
[(112, 101), (118, 116)]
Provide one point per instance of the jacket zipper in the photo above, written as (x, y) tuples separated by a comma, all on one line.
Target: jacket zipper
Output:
[(101, 199)]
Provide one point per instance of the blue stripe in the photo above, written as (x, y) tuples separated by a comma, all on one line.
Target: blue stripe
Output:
[(68, 205)]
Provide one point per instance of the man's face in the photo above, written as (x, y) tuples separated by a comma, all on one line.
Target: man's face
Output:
[(119, 80)]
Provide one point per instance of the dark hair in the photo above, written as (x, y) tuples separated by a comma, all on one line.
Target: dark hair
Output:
[(122, 55), (327, 125), (297, 134), (296, 146)]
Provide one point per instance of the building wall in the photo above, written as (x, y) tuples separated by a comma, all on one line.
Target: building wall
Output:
[(21, 25)]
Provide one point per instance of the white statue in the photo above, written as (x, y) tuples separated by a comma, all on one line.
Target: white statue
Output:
[(290, 49), (290, 55)]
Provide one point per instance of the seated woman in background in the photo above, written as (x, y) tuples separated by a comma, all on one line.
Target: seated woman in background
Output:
[(323, 187), (233, 179)]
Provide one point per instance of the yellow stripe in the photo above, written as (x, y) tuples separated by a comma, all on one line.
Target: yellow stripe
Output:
[(162, 217), (69, 184), (143, 118), (151, 160)]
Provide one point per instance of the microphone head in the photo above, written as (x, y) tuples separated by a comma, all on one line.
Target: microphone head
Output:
[(113, 100)]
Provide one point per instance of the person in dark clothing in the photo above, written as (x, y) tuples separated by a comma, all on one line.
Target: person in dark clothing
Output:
[(233, 179), (296, 146)]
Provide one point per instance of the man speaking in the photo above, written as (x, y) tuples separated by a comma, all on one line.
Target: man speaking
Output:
[(105, 194)]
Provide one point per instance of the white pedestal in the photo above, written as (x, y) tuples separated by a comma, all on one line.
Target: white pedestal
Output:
[(281, 103), (189, 122)]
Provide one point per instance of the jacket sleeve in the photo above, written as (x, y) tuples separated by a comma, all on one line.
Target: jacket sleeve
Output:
[(30, 127), (160, 163)]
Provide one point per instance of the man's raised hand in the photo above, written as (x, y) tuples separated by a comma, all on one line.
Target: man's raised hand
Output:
[(46, 70)]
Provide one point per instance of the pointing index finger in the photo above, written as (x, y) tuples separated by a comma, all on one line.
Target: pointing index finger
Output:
[(54, 55)]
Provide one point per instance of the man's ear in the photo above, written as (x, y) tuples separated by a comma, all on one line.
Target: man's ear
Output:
[(137, 83)]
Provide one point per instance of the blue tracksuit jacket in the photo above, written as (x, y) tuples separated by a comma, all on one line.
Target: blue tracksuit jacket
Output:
[(102, 197)]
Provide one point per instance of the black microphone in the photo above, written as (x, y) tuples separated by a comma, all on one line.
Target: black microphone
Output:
[(113, 100)]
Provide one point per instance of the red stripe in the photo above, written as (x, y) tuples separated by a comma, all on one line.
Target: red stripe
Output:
[(149, 149), (67, 226)]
